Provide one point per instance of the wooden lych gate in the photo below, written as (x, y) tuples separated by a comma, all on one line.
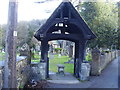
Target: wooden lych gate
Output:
[(65, 24)]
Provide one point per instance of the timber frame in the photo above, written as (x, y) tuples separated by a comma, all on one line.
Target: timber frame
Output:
[(65, 24)]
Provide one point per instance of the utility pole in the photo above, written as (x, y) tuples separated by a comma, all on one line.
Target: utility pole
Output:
[(10, 50)]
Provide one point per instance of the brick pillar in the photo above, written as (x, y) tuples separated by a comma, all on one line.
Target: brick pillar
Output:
[(95, 65)]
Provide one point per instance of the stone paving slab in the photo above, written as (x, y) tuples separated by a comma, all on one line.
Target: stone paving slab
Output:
[(64, 81), (67, 78)]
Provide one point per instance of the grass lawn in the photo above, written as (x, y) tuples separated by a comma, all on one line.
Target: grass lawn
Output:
[(2, 56), (37, 58), (57, 60), (60, 60)]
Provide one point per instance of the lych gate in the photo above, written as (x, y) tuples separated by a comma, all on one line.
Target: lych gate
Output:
[(65, 23)]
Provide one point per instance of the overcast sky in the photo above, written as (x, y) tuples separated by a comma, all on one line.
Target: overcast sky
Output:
[(28, 9)]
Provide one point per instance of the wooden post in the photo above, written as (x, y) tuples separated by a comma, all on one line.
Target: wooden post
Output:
[(11, 35), (44, 50), (76, 61), (79, 56), (44, 56)]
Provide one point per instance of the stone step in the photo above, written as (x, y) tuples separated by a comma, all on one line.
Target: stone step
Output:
[(64, 81)]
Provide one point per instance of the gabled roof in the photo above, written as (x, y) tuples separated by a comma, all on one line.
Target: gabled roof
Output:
[(67, 14)]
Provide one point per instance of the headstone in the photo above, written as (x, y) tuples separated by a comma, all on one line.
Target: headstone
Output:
[(59, 55), (51, 56), (24, 50), (3, 51), (39, 53)]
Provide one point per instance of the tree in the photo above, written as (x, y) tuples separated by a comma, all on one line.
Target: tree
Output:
[(26, 32), (102, 19), (1, 33), (118, 35)]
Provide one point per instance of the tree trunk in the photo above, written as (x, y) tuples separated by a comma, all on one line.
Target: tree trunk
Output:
[(11, 35)]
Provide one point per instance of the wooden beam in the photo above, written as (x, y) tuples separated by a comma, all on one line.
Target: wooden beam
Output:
[(72, 37)]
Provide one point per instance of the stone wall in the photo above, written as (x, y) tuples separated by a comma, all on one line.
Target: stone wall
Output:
[(23, 70), (1, 75), (101, 60)]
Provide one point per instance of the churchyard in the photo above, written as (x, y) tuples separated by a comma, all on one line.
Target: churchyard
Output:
[(73, 47)]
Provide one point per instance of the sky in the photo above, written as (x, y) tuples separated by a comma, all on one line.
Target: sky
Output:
[(28, 9)]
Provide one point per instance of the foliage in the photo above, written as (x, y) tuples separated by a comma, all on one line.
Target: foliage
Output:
[(36, 57), (102, 18), (118, 43), (3, 29), (57, 50), (106, 51), (2, 56), (89, 57), (26, 32)]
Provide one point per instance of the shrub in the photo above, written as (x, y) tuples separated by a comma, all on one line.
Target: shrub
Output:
[(106, 51), (89, 57), (57, 50)]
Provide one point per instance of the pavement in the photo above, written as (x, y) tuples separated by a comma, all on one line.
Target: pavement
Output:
[(66, 78), (108, 79)]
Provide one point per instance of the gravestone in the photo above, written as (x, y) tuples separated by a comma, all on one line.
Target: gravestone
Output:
[(24, 50), (51, 57)]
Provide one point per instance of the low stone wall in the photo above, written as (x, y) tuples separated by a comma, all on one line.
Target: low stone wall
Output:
[(101, 60), (1, 75), (22, 72), (118, 52)]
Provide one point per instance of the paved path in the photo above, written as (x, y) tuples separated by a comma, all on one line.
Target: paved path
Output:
[(108, 79), (66, 78)]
